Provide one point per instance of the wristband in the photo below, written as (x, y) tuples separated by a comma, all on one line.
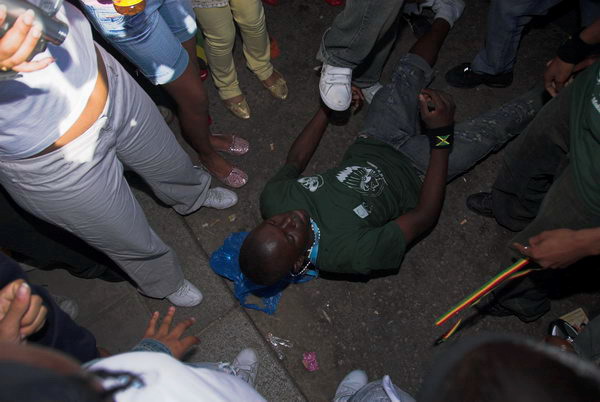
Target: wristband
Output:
[(440, 138), (574, 49)]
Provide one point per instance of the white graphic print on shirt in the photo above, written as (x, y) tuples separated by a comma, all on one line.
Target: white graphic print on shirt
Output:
[(368, 181)]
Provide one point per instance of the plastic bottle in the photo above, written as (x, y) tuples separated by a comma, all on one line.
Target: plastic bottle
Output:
[(129, 7)]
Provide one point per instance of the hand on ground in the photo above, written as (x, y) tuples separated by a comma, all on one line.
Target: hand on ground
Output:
[(21, 313), (171, 337), (358, 99)]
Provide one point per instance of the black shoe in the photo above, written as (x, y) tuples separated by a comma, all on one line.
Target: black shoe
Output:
[(463, 76), (481, 204), (495, 309)]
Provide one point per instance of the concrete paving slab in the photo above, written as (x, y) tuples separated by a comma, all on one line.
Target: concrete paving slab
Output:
[(224, 338), (113, 312)]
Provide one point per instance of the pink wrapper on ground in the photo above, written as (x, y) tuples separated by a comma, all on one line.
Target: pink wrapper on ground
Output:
[(309, 359)]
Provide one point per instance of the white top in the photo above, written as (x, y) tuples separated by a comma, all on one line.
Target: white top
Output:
[(37, 108), (167, 379)]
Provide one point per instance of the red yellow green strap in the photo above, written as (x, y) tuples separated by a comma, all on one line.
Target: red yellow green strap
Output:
[(482, 291)]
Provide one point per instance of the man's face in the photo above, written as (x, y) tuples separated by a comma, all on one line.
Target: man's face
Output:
[(287, 235)]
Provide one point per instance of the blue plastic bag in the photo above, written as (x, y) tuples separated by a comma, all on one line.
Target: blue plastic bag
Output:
[(225, 262)]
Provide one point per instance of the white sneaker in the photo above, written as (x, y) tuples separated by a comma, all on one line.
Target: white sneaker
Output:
[(220, 198), (369, 92), (449, 10), (67, 305), (186, 296), (245, 366), (335, 88), (350, 385)]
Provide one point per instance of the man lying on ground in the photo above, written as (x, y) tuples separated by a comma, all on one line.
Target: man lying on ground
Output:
[(362, 215)]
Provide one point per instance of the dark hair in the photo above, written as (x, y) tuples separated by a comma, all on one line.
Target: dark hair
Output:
[(24, 383), (256, 262), (502, 368)]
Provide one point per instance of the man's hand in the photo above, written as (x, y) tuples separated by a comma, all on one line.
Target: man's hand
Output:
[(171, 337), (437, 108), (21, 313), (555, 248), (558, 73), (18, 42)]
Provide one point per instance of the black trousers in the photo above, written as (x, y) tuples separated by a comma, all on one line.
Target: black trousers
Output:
[(60, 331)]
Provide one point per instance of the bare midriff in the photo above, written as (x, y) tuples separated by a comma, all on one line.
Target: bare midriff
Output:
[(92, 111)]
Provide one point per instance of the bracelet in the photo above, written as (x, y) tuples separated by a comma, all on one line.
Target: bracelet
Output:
[(441, 137), (574, 49)]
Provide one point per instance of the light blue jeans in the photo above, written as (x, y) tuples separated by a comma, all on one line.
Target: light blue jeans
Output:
[(151, 39), (153, 345), (505, 23), (361, 38), (393, 117)]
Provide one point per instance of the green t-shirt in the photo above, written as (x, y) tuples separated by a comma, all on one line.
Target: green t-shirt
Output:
[(353, 204), (585, 135)]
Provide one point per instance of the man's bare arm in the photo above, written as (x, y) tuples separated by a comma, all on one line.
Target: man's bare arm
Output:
[(307, 142), (421, 219)]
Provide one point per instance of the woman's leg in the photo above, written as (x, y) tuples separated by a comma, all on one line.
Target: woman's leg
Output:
[(191, 98), (219, 31), (152, 41), (250, 17)]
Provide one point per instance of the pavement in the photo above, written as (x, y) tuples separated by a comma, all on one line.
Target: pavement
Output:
[(383, 325)]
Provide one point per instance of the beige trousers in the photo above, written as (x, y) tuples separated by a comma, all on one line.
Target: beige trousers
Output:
[(219, 30)]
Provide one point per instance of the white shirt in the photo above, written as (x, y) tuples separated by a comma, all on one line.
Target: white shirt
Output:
[(167, 379), (38, 108)]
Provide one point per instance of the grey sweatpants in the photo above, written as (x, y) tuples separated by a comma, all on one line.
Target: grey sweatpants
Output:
[(80, 187)]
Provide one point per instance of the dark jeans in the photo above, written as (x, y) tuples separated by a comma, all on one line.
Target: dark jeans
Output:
[(59, 332), (535, 191), (50, 246), (361, 38), (505, 23), (393, 117)]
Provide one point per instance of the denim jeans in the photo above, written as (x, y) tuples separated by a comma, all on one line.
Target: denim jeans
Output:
[(505, 23), (151, 39), (59, 332), (393, 117), (361, 38), (380, 391), (535, 191), (153, 345)]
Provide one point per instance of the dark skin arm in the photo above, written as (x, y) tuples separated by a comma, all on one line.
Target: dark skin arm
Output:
[(307, 142), (421, 219), (560, 248), (305, 145)]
